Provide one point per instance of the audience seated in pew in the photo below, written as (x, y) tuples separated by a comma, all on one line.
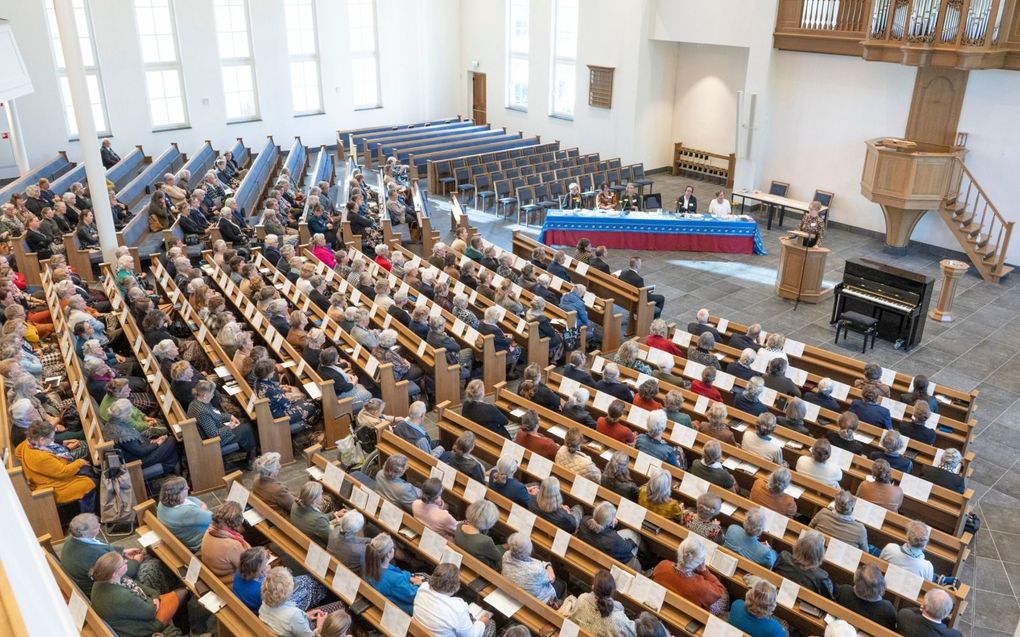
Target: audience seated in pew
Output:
[(460, 458), (396, 584), (804, 564), (503, 480), (866, 596), (185, 516), (746, 539), (48, 464), (947, 473), (223, 542), (535, 576), (253, 567), (390, 483), (347, 541), (81, 549), (690, 578), (131, 609), (431, 510), (307, 515)]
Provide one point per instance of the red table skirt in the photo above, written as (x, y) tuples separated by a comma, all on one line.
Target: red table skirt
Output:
[(649, 241)]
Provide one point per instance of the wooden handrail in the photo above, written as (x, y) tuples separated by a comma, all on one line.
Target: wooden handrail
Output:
[(998, 228)]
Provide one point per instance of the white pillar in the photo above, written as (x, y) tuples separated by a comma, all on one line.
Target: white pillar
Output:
[(94, 170), (753, 127), (17, 141)]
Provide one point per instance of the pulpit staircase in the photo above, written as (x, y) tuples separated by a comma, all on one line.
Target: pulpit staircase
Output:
[(978, 225)]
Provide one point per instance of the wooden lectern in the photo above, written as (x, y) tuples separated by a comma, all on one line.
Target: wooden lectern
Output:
[(800, 272)]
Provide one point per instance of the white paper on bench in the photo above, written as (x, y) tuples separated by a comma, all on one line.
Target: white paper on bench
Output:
[(869, 514), (684, 436), (863, 438), (724, 563), (701, 405), (584, 489), (842, 554), (658, 357), (503, 603), (346, 583), (788, 592), (561, 543), (597, 364), (798, 376), (212, 602), (682, 338), (238, 494), (693, 369), (645, 463), (761, 361), (194, 569), (794, 491), (631, 513), (768, 396), (581, 268), (646, 592), (78, 608), (568, 386), (513, 449), (727, 508), (441, 471), (421, 346), (315, 472), (724, 381), (638, 416), (589, 299), (722, 325), (842, 458), (793, 348), (693, 486), (775, 523), (895, 407), (539, 466), (602, 401), (431, 543), (149, 538), (915, 487), (372, 364), (931, 423), (903, 581), (395, 622), (253, 517), (623, 578), (474, 491), (812, 410), (333, 477), (359, 497), (889, 377), (313, 391), (391, 516), (520, 519), (451, 557), (718, 628)]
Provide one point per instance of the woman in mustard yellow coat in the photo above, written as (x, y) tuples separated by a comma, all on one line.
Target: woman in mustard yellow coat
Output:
[(48, 464)]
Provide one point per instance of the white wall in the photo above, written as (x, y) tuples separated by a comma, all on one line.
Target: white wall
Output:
[(719, 22), (411, 32), (705, 105)]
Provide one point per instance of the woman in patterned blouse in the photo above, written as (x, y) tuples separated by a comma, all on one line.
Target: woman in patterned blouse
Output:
[(812, 222)]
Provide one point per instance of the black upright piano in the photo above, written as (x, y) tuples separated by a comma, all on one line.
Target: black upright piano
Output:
[(898, 298)]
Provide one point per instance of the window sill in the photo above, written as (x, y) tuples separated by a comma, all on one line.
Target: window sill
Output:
[(376, 107), (566, 118), (231, 122), (172, 127), (100, 135), (519, 109), (309, 114)]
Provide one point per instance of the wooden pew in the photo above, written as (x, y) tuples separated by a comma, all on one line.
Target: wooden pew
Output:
[(847, 369), (382, 146), (445, 166), (288, 540), (135, 234), (50, 170), (257, 181), (489, 446), (234, 618), (205, 458), (348, 142), (126, 169), (94, 625), (477, 578), (418, 163), (274, 434), (336, 414), (634, 300), (393, 392), (26, 260)]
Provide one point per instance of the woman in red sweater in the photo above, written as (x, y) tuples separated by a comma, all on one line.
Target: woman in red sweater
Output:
[(647, 395), (611, 426), (657, 338), (689, 578), (705, 387)]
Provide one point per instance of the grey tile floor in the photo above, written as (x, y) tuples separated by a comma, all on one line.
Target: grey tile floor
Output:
[(980, 349)]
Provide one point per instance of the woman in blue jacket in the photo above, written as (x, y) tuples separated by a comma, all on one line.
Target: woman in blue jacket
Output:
[(396, 584)]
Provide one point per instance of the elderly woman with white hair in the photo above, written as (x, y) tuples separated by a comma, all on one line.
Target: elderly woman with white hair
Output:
[(536, 314), (746, 539), (658, 337), (503, 480), (947, 472), (600, 531), (455, 354), (910, 555), (821, 395), (690, 578), (749, 400), (534, 576), (701, 351), (133, 445), (267, 485), (472, 534), (651, 441), (548, 504), (627, 356), (403, 369)]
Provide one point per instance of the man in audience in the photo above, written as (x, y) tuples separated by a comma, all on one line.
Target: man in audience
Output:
[(869, 410), (557, 267), (748, 340), (632, 276), (746, 539), (927, 621), (866, 596), (412, 429), (574, 300), (599, 260), (390, 483), (947, 473), (611, 384), (81, 549), (107, 154), (838, 522), (651, 441), (701, 325), (822, 395), (910, 555), (709, 466), (574, 369), (271, 248)]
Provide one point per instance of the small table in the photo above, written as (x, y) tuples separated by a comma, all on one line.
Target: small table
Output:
[(772, 202)]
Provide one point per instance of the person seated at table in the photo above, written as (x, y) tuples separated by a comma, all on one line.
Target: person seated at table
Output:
[(630, 200), (838, 522), (918, 428), (821, 395), (705, 386), (720, 207), (947, 473), (658, 337), (709, 466), (919, 391), (745, 539), (572, 200), (812, 223), (804, 564), (873, 377), (687, 202), (132, 610), (690, 578), (770, 491), (606, 198)]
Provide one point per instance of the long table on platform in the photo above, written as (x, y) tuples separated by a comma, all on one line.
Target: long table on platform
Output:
[(652, 231)]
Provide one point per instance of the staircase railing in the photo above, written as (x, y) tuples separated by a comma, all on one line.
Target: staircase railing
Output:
[(975, 200)]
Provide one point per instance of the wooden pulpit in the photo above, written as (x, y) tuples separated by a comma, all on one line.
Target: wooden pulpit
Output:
[(801, 271)]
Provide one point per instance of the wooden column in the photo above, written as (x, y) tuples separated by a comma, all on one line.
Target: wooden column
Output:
[(935, 106), (952, 270)]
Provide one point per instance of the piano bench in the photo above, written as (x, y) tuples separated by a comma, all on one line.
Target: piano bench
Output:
[(860, 323)]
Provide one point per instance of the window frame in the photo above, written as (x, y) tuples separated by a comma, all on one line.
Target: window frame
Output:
[(161, 66), (365, 55), (313, 57), (518, 56), (557, 60), (239, 61)]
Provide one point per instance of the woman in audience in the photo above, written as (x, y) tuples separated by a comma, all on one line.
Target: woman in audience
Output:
[(279, 611), (461, 311), (873, 378), (598, 612), (839, 522), (880, 489), (541, 393), (599, 530), (868, 409), (323, 252), (760, 441), (627, 356), (612, 424), (297, 335), (616, 476), (947, 472), (822, 395), (844, 437), (749, 400), (158, 213), (396, 584), (741, 368), (776, 378), (866, 596), (536, 314), (502, 480), (345, 381), (223, 542), (441, 613), (702, 519), (717, 425), (133, 445), (48, 464), (129, 609), (919, 391), (576, 408), (87, 233), (535, 577), (709, 467), (918, 428), (430, 509), (252, 571), (267, 485), (529, 437), (774, 343), (461, 459), (705, 386), (213, 422), (548, 504), (753, 614), (472, 534), (770, 490), (673, 403), (690, 578), (185, 516), (746, 539), (651, 442), (818, 466), (910, 554), (893, 445), (701, 351), (574, 459), (390, 483), (658, 337), (647, 394), (403, 369), (803, 566), (656, 495), (283, 400), (307, 516)]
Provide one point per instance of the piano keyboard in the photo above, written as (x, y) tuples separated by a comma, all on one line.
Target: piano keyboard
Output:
[(878, 299)]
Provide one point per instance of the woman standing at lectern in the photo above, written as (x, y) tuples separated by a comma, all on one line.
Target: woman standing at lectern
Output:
[(812, 223)]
